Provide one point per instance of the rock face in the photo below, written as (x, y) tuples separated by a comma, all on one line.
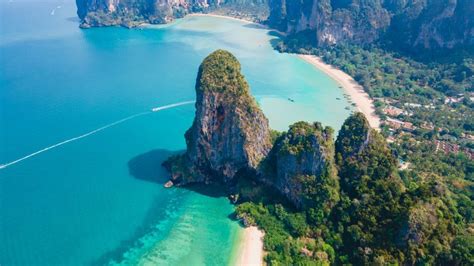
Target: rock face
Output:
[(131, 13), (407, 23), (354, 137), (301, 166), (229, 132), (371, 191), (429, 219), (427, 24), (329, 21), (230, 135), (361, 151)]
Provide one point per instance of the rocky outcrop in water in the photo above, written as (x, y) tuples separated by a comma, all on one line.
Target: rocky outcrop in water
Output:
[(404, 23), (230, 142), (230, 136), (229, 133)]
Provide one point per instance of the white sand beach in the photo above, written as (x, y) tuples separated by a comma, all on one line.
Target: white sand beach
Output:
[(361, 99), (222, 16), (251, 250), (236, 19)]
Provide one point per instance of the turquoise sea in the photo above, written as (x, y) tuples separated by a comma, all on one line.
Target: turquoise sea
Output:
[(99, 198)]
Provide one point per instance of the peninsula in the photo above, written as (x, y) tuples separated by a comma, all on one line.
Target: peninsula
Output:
[(419, 78), (316, 200)]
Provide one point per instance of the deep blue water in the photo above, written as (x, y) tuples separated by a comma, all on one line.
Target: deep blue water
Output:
[(100, 199)]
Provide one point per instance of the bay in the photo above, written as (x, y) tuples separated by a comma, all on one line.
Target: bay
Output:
[(99, 199)]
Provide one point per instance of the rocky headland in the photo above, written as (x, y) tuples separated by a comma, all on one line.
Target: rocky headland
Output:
[(312, 196), (230, 139), (229, 133)]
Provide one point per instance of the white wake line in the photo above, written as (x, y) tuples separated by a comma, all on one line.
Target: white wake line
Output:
[(94, 131)]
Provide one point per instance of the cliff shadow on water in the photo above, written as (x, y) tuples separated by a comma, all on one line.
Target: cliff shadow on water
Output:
[(214, 190), (147, 166)]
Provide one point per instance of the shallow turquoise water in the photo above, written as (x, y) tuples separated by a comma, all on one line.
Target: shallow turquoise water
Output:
[(100, 199)]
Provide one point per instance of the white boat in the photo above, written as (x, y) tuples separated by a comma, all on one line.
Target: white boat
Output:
[(2, 166)]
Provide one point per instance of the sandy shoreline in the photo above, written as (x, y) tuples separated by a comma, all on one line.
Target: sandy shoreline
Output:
[(250, 251), (361, 99), (236, 19), (226, 17)]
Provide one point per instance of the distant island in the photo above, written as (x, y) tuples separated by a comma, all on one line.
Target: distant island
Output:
[(318, 201)]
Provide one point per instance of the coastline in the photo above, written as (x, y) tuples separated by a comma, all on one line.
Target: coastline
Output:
[(236, 19), (250, 248), (361, 99), (226, 17)]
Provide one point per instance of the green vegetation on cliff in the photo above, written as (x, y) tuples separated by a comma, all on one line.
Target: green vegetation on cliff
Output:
[(132, 13), (362, 152), (406, 25), (433, 100), (229, 132), (220, 72), (298, 138), (301, 165), (378, 219), (320, 202), (370, 211)]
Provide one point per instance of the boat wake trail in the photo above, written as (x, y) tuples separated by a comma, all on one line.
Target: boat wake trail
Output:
[(2, 166)]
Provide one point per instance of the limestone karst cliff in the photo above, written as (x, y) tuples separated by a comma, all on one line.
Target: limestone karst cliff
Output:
[(301, 166), (426, 24), (229, 132), (130, 13), (230, 138), (361, 151), (301, 187)]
